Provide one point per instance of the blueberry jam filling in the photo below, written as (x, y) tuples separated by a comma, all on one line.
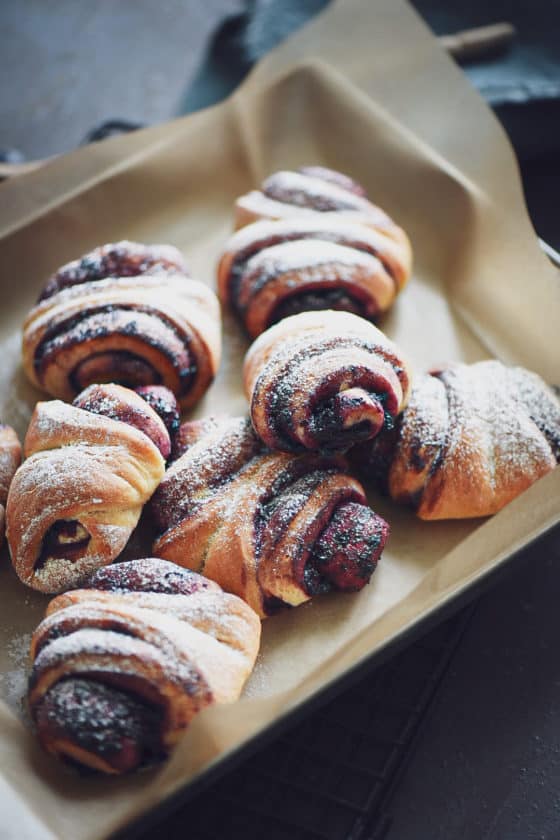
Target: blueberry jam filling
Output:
[(313, 301), (66, 540), (105, 722), (347, 551)]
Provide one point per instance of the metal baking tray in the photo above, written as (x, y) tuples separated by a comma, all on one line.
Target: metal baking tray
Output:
[(118, 172)]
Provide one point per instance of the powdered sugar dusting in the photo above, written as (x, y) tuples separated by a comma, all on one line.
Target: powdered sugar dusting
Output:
[(306, 254), (540, 402), (492, 438), (490, 405), (316, 378), (121, 259), (271, 269), (104, 651), (104, 459), (10, 457), (265, 234), (307, 191), (13, 681), (178, 643), (58, 573), (268, 508)]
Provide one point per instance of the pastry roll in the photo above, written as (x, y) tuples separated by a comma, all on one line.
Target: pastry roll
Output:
[(147, 324), (275, 529), (10, 459), (89, 469), (309, 191), (121, 666), (324, 381), (273, 269), (472, 438)]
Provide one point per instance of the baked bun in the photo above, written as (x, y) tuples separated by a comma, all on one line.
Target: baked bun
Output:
[(472, 438), (89, 469), (121, 666), (273, 269), (273, 528), (324, 381), (147, 324)]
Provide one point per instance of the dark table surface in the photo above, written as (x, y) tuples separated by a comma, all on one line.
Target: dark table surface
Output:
[(487, 757)]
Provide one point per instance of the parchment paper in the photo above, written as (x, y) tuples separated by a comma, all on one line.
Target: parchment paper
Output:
[(365, 89)]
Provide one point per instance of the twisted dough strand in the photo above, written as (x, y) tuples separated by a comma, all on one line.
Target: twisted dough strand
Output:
[(273, 528)]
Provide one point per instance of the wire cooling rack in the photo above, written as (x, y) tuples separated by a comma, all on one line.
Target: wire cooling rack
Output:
[(331, 776)]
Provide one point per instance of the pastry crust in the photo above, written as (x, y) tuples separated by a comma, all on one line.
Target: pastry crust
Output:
[(157, 328), (79, 494), (116, 259), (10, 459), (122, 666), (273, 269), (472, 438), (273, 528), (309, 191), (324, 381)]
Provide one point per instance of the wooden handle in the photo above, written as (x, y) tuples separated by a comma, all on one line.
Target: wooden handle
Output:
[(480, 42)]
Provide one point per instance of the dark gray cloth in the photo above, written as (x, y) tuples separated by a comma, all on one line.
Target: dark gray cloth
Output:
[(522, 84)]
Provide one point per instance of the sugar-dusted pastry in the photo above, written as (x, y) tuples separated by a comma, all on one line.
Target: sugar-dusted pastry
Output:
[(272, 269), (472, 438), (324, 381), (116, 259), (309, 191), (89, 469), (125, 313), (10, 459), (273, 528), (121, 666), (165, 406)]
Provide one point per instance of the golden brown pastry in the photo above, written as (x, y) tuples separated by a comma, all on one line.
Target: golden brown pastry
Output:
[(324, 381), (272, 269), (273, 528), (309, 191), (472, 438), (121, 666), (89, 469), (10, 459), (125, 313)]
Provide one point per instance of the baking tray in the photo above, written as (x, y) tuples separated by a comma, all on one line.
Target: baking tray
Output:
[(177, 183), (333, 771)]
